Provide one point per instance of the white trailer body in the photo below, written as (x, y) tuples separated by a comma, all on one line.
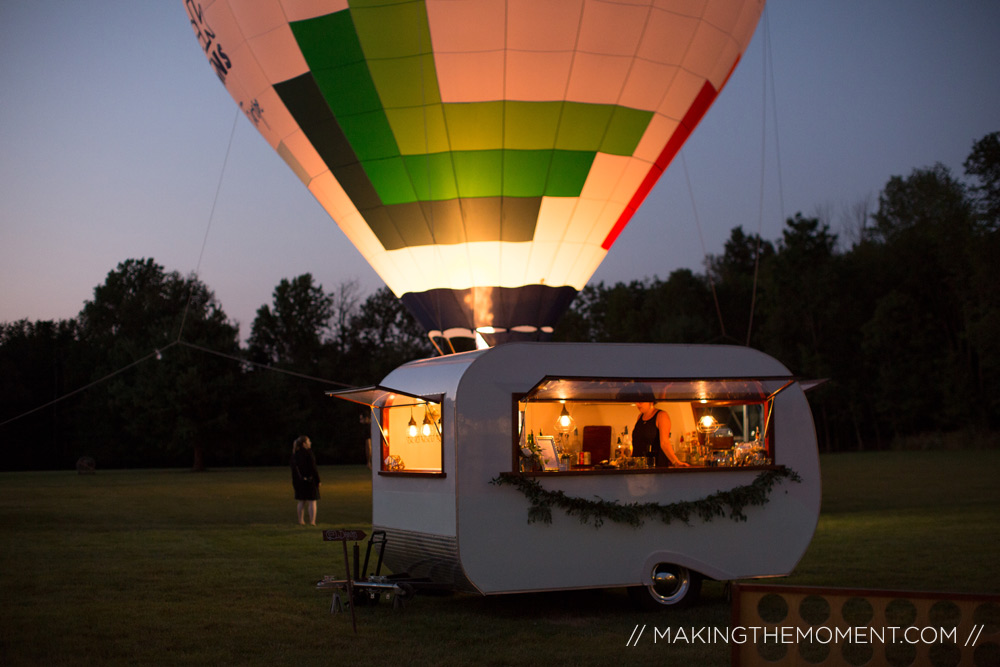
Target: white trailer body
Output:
[(445, 518)]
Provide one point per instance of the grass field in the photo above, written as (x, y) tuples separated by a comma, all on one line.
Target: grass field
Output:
[(171, 567)]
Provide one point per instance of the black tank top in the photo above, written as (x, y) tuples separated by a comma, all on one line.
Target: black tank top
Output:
[(646, 440)]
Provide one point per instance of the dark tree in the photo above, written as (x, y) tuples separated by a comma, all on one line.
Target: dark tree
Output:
[(40, 362), (685, 307), (733, 275), (983, 165), (164, 399), (294, 330), (798, 297), (291, 336), (384, 335), (677, 310), (578, 322), (926, 232)]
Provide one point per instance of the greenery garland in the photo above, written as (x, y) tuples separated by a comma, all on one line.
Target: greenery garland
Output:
[(634, 514)]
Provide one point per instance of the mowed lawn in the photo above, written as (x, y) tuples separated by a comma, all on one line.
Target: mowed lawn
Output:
[(173, 567)]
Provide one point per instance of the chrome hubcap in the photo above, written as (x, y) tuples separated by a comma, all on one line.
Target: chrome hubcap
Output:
[(670, 583)]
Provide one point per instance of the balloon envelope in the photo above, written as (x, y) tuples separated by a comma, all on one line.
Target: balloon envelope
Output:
[(482, 155)]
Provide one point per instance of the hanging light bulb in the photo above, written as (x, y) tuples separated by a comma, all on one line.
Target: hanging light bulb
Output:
[(411, 428), (425, 430), (565, 421), (707, 424)]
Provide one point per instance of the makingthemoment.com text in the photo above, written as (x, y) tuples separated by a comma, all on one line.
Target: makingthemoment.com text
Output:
[(794, 635)]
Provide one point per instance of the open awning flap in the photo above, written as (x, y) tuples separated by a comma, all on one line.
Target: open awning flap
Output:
[(746, 390), (808, 385), (378, 396)]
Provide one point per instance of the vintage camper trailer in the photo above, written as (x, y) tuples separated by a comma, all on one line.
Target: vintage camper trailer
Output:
[(460, 441)]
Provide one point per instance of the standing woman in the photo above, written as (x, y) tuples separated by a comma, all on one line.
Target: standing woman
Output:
[(651, 433), (651, 436), (305, 479)]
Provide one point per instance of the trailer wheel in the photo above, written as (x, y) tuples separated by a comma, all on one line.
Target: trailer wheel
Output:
[(406, 591), (674, 586)]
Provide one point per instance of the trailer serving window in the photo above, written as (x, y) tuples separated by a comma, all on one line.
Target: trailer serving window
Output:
[(576, 425), (409, 428)]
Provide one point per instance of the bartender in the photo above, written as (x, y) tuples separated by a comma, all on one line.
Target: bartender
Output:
[(651, 434)]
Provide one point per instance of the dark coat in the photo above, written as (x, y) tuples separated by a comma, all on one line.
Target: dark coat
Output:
[(305, 475)]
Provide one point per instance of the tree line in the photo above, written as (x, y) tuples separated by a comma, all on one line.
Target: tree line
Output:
[(151, 373), (900, 313)]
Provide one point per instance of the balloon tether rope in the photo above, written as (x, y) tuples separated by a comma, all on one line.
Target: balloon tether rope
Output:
[(767, 68)]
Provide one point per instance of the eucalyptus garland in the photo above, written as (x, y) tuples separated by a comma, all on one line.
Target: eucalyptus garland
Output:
[(719, 504)]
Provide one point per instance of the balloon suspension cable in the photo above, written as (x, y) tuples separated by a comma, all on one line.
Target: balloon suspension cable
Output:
[(266, 367), (158, 355), (155, 354), (197, 271), (208, 227), (701, 239), (766, 70)]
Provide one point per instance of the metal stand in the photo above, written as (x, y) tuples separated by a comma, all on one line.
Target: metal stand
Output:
[(362, 588)]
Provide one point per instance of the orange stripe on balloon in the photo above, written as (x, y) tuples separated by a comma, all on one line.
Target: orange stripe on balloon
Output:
[(690, 121)]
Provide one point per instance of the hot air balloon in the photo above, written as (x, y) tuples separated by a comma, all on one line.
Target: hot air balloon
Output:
[(482, 155)]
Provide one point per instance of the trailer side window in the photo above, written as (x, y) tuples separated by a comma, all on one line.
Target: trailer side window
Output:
[(585, 424), (411, 435)]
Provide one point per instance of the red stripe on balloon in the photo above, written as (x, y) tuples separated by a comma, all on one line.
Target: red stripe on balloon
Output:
[(691, 119)]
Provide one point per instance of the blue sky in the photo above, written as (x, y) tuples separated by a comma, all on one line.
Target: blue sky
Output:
[(114, 132)]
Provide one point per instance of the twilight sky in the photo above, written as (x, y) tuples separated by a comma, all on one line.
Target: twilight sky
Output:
[(114, 132)]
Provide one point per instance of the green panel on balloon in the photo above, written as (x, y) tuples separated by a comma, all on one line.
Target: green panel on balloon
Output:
[(391, 180), (419, 130), (369, 135), (625, 131), (355, 4), (393, 30), (406, 82), (525, 173), (348, 89), (331, 48), (432, 176), (530, 125), (521, 173), (582, 126), (568, 173), (478, 173), (475, 126), (328, 41)]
